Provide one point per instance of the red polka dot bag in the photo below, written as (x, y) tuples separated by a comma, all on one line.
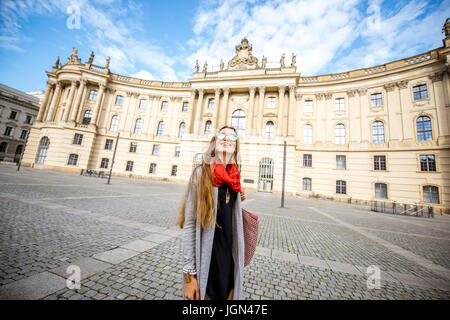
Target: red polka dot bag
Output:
[(251, 224)]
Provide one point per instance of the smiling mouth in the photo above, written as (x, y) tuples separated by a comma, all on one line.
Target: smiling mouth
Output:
[(226, 144)]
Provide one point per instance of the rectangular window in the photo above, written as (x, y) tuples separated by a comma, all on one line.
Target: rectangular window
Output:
[(108, 144), (211, 103), (185, 107), (307, 160), (339, 104), (164, 105), (93, 95), (73, 158), (307, 184), (420, 92), (308, 106), (23, 135), (341, 187), (379, 162), (133, 146), (174, 170), (8, 131), (119, 100), (104, 164), (376, 100), (152, 168), (28, 119), (78, 138), (129, 166), (155, 150), (380, 190), (142, 104), (13, 115), (427, 163), (341, 162), (271, 102), (177, 151), (430, 194)]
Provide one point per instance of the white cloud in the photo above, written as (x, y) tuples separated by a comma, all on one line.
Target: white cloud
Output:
[(143, 74), (327, 36)]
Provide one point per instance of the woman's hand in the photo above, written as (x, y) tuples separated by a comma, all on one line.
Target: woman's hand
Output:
[(242, 195), (191, 290)]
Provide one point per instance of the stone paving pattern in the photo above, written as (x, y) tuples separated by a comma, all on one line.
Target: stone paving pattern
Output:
[(49, 220)]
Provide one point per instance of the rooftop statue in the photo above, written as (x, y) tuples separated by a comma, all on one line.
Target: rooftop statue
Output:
[(73, 59), (243, 59)]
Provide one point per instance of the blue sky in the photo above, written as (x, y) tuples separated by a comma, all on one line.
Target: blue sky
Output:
[(162, 39)]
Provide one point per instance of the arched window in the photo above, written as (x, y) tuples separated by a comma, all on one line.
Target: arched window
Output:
[(269, 129), (181, 130), (424, 132), (377, 132), (307, 134), (138, 126), (42, 151), (114, 123), (340, 134), (3, 146), (160, 129), (87, 117), (208, 127), (197, 160), (238, 121)]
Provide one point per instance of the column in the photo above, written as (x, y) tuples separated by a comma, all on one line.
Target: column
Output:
[(70, 100), (439, 100), (55, 99), (260, 112), (403, 97), (198, 111), (280, 126), (154, 115), (148, 110), (98, 103), (251, 103), (364, 103), (215, 121), (43, 107), (320, 111), (77, 103), (290, 115), (106, 115), (171, 118), (226, 95)]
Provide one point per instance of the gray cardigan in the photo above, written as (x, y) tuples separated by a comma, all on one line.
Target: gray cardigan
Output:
[(197, 242)]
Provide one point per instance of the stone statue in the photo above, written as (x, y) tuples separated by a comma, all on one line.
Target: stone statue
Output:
[(73, 59), (107, 62), (243, 59), (294, 60), (446, 28), (91, 58), (57, 63), (282, 61), (263, 62), (197, 67), (205, 67), (221, 65)]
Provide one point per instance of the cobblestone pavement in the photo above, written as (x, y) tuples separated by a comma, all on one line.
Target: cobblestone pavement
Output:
[(123, 238)]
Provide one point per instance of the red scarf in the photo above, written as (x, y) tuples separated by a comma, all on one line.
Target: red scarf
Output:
[(230, 176)]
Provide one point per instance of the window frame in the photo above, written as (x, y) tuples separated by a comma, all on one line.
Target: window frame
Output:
[(77, 139), (341, 185), (306, 161), (93, 94), (72, 159)]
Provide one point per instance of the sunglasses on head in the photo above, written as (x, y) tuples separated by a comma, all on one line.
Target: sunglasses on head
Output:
[(231, 136)]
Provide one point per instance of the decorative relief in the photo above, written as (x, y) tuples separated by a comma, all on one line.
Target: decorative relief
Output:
[(243, 58), (389, 86), (351, 93), (362, 91), (319, 96), (402, 84), (437, 76), (328, 95), (298, 96), (239, 99), (73, 59)]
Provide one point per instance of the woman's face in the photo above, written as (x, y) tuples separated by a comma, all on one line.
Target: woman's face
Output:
[(226, 145)]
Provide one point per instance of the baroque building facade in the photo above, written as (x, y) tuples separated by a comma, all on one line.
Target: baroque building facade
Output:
[(378, 133), (18, 110)]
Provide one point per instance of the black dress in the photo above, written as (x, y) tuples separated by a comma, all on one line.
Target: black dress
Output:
[(221, 269)]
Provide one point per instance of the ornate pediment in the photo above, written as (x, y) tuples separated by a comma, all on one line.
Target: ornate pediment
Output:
[(270, 114), (243, 59), (73, 59)]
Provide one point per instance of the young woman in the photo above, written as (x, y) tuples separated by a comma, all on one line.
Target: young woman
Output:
[(211, 214)]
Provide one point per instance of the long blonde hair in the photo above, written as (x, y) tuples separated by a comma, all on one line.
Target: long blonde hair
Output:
[(204, 193)]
